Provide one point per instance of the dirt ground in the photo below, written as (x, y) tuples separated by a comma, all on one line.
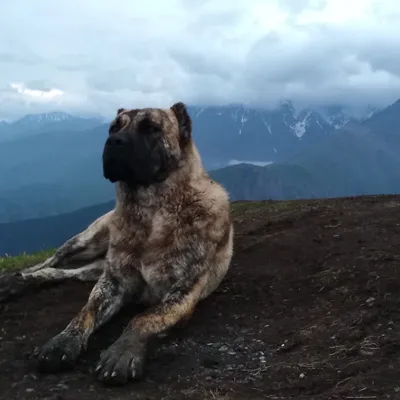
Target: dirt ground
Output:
[(309, 310)]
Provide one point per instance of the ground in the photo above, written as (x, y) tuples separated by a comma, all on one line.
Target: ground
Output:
[(309, 310)]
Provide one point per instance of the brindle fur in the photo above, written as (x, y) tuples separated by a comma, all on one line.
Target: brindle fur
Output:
[(168, 243)]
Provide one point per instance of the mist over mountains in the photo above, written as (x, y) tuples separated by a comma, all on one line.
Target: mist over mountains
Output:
[(51, 163)]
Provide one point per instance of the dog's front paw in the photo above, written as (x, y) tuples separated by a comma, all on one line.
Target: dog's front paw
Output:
[(60, 353), (122, 361)]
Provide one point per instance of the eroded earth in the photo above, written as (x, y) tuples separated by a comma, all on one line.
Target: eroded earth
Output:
[(309, 310)]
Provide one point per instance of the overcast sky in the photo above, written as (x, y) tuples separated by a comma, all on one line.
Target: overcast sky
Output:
[(98, 55)]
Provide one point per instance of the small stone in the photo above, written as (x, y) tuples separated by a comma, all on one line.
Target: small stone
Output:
[(370, 300), (223, 348), (302, 376), (30, 390), (366, 353)]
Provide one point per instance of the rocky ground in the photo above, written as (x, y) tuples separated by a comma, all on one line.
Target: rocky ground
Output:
[(309, 310)]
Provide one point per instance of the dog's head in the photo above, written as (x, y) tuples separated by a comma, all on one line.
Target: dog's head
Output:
[(146, 145)]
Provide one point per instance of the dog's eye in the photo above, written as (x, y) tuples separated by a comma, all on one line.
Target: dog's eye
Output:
[(146, 126)]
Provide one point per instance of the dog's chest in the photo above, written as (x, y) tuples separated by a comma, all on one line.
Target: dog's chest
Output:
[(151, 249), (143, 241)]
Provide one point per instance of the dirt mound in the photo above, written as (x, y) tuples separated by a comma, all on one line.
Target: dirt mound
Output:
[(309, 309)]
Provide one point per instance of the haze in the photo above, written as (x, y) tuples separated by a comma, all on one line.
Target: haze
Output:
[(92, 57)]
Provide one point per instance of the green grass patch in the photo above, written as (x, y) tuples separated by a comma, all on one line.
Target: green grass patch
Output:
[(24, 260)]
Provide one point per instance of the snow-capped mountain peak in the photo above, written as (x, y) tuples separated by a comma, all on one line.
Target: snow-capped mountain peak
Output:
[(56, 116), (300, 126)]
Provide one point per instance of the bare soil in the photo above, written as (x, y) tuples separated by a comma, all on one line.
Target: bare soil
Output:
[(309, 310)]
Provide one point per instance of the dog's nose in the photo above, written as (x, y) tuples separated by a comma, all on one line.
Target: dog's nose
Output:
[(116, 140)]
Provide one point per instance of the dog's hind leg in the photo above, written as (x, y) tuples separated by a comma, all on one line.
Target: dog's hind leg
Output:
[(87, 273), (13, 284), (82, 248)]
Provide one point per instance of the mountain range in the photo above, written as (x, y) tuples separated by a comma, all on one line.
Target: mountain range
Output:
[(51, 163), (33, 124)]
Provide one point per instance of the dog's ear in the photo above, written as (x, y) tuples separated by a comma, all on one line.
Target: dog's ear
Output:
[(184, 122), (119, 122)]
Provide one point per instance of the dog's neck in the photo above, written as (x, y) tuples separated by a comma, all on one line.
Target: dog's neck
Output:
[(130, 198)]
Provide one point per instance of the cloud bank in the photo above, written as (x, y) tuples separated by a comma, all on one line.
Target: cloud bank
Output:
[(96, 56)]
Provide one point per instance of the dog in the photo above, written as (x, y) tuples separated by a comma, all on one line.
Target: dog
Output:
[(168, 243)]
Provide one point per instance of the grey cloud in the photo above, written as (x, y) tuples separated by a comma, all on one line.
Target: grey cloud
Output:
[(27, 59), (320, 68), (296, 6), (40, 85), (103, 81), (105, 55), (202, 64), (380, 54), (276, 60), (215, 20), (194, 4)]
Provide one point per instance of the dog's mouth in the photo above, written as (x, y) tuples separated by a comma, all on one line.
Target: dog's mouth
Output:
[(111, 175), (134, 167), (113, 168)]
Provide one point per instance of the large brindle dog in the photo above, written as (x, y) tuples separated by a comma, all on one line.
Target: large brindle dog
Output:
[(168, 243)]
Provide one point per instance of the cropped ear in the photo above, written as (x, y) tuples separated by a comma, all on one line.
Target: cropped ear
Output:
[(120, 110), (184, 122), (119, 122)]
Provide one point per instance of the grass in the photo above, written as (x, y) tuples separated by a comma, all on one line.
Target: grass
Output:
[(24, 260)]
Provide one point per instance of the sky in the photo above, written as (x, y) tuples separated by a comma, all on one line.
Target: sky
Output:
[(94, 56)]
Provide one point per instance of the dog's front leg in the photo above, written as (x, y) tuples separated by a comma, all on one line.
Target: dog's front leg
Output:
[(107, 297), (124, 359)]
